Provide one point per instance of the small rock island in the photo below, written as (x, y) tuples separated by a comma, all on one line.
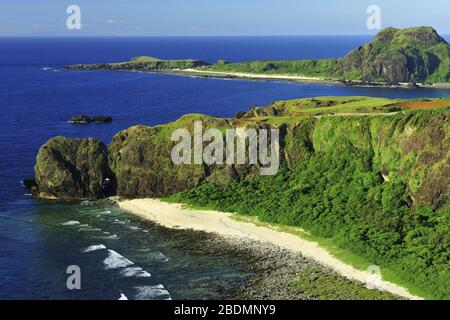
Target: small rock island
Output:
[(84, 119)]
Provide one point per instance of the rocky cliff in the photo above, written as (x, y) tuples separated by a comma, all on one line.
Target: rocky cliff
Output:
[(412, 147), (413, 55), (72, 169), (400, 55)]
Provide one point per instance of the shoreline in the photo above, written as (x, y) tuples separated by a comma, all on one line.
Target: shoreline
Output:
[(174, 216), (302, 79), (274, 77), (296, 79)]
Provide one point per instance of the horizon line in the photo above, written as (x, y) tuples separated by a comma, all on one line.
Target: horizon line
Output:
[(187, 36)]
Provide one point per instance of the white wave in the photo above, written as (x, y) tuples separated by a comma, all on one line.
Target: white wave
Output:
[(89, 229), (158, 256), (151, 292), (71, 223), (116, 260), (134, 228), (111, 237), (46, 68), (122, 297), (106, 212), (137, 272), (94, 247)]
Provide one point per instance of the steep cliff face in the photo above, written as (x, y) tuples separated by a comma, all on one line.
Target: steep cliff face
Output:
[(411, 147), (140, 159), (72, 169), (395, 55)]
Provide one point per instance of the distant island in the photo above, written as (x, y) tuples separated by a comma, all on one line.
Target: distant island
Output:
[(410, 57)]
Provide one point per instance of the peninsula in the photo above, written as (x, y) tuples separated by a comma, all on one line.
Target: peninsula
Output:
[(413, 57), (371, 175)]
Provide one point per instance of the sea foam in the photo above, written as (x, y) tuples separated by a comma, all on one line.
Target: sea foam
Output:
[(71, 223), (122, 297), (151, 292), (116, 260), (94, 247), (137, 272)]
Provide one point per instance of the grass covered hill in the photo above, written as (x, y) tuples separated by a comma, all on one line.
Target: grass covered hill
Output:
[(394, 56), (143, 63)]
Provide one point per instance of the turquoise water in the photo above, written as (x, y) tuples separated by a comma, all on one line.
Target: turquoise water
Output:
[(39, 240)]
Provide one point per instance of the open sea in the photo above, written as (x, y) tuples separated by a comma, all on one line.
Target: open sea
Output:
[(120, 255)]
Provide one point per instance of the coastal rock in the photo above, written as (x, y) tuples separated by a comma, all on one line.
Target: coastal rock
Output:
[(84, 119), (409, 147), (140, 157), (102, 119), (71, 169), (399, 56), (81, 119)]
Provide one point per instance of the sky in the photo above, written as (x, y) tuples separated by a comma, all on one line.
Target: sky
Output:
[(216, 17)]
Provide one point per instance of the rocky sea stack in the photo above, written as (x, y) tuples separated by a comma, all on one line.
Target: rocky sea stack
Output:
[(72, 169)]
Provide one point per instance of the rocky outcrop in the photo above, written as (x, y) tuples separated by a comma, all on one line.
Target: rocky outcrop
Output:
[(81, 119), (142, 64), (399, 56), (140, 159), (72, 169), (102, 119), (411, 148), (84, 119)]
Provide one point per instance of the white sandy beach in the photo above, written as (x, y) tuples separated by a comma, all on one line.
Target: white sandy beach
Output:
[(256, 76), (175, 216), (297, 78)]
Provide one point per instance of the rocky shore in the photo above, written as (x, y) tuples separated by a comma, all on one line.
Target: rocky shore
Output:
[(278, 274)]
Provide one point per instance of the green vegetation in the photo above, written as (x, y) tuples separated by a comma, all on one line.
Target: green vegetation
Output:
[(143, 63), (367, 177), (395, 55), (334, 287), (350, 181), (311, 68)]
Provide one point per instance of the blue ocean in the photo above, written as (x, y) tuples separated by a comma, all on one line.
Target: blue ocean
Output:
[(121, 255)]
